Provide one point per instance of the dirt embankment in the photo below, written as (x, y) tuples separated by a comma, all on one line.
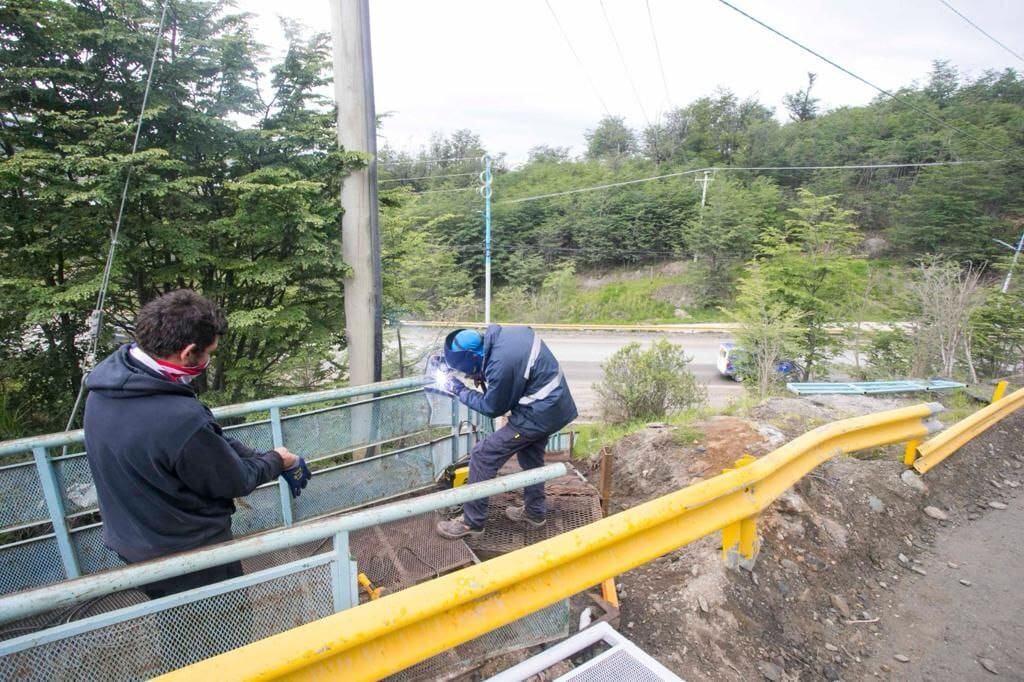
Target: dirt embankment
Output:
[(837, 552)]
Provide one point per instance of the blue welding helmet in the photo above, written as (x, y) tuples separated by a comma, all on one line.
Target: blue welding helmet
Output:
[(464, 351)]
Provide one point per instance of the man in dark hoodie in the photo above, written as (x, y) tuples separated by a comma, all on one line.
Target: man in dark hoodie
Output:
[(519, 376), (166, 475)]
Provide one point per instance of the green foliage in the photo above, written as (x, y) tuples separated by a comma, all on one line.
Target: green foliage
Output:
[(997, 327), (890, 355), (246, 215), (768, 331), (809, 268), (612, 138), (646, 384)]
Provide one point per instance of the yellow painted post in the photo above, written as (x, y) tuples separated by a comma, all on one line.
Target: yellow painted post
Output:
[(910, 454), (1000, 391), (739, 540)]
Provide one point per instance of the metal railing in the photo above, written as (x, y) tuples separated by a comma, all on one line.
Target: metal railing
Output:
[(385, 636), (936, 449), (160, 635), (49, 530)]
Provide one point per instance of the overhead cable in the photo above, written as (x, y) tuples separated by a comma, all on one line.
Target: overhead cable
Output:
[(429, 177), (583, 68), (413, 162), (743, 168), (657, 51), (899, 98), (622, 60), (96, 319), (981, 30), (444, 191)]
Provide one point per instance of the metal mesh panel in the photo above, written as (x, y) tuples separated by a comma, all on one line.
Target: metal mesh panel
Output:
[(160, 642), (93, 555), (75, 480), (260, 510), (542, 626), (21, 495), (345, 427), (29, 564), (440, 407), (619, 665), (363, 481), (402, 553), (257, 435), (567, 508), (92, 607)]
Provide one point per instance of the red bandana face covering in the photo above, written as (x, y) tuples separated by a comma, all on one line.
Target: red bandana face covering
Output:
[(177, 373)]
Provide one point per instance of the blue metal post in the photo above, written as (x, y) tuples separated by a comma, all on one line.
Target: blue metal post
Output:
[(55, 505), (283, 490), (343, 576), (485, 178)]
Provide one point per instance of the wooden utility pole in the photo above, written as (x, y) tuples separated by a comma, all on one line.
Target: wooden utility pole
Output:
[(360, 230)]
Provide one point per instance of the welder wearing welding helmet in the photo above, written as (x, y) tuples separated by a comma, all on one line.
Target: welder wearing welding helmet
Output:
[(519, 376)]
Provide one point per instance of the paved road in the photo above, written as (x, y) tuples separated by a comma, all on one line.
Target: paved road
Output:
[(582, 353), (946, 627)]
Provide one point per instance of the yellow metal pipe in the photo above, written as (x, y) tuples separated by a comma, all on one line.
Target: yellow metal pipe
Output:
[(387, 635), (910, 453), (952, 439), (1000, 391)]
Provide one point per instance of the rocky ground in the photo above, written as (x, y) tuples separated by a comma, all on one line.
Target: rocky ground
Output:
[(855, 577)]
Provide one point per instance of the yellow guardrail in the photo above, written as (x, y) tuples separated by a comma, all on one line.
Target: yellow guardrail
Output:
[(938, 448), (389, 634)]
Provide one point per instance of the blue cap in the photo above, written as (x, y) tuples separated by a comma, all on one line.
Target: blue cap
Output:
[(464, 351), (469, 339)]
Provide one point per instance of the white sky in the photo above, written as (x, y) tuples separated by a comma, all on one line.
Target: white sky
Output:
[(502, 69)]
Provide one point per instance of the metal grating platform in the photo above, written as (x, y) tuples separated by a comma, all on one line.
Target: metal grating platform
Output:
[(571, 503), (402, 553), (619, 661)]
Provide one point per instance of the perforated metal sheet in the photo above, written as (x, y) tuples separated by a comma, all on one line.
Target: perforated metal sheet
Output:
[(363, 481), (619, 665), (570, 505), (346, 427), (110, 602), (260, 510), (256, 435), (28, 564), (157, 643), (21, 495), (402, 553), (540, 627), (92, 553), (75, 480)]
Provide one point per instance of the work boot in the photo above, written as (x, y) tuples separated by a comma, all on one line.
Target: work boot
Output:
[(455, 529), (518, 514)]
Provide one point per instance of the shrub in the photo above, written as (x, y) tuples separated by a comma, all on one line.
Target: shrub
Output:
[(641, 384)]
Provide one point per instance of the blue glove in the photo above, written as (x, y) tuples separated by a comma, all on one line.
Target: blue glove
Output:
[(454, 386), (297, 477)]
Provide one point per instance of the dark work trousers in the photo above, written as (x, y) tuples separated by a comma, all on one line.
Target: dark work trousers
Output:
[(190, 581), (490, 454)]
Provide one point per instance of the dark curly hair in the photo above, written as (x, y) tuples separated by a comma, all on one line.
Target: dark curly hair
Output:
[(171, 322)]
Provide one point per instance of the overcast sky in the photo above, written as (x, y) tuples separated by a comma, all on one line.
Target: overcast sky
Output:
[(502, 68)]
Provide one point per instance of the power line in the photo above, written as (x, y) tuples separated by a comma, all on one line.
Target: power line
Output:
[(899, 98), (657, 51), (96, 318), (745, 168), (981, 30), (429, 177), (444, 191), (583, 67), (625, 67)]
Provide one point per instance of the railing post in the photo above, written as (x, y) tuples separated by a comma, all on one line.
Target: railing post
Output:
[(1000, 391), (344, 587), (910, 454), (740, 543), (55, 505), (456, 446), (283, 491)]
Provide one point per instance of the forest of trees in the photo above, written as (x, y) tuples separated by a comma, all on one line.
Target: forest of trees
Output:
[(234, 192)]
